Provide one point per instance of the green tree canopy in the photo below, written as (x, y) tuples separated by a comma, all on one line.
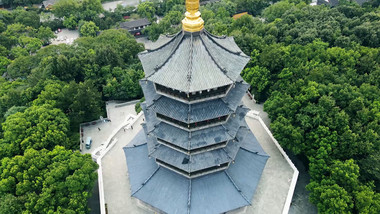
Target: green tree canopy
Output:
[(88, 29), (38, 127), (46, 181)]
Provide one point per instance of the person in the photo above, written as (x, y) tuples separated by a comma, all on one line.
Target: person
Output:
[(98, 128), (132, 127)]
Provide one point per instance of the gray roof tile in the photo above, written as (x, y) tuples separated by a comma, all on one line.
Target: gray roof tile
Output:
[(200, 138), (213, 193), (234, 96), (135, 23), (149, 92), (191, 113), (194, 62), (197, 162)]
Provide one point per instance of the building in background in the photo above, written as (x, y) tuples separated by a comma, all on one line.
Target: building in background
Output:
[(135, 26)]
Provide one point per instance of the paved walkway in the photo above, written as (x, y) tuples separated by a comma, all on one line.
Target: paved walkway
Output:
[(110, 6), (66, 36), (117, 193), (274, 184), (100, 131), (300, 203)]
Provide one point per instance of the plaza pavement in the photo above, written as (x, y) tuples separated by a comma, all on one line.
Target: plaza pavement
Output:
[(270, 195), (110, 6), (66, 36), (117, 116)]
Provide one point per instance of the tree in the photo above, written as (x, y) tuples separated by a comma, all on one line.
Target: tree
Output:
[(38, 127), (258, 78), (124, 84), (88, 29), (89, 9), (4, 62), (30, 44), (27, 182), (14, 110), (253, 7), (146, 9), (45, 34), (330, 198), (276, 10), (65, 8), (70, 22), (27, 18), (21, 66), (80, 102), (10, 204)]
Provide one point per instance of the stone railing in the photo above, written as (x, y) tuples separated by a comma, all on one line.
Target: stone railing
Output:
[(285, 210), (98, 154)]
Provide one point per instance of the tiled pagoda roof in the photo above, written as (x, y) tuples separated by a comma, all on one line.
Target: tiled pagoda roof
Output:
[(191, 113), (215, 193), (194, 62), (199, 138)]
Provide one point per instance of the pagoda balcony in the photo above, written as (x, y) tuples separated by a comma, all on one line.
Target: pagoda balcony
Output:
[(195, 150), (194, 174), (193, 97), (193, 126)]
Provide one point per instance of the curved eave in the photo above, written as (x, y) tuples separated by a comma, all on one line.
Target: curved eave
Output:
[(194, 63), (215, 193)]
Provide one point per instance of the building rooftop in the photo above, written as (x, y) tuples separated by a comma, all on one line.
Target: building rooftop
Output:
[(237, 16), (191, 62), (134, 23), (213, 193)]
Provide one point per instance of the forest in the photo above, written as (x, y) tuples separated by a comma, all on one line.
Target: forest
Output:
[(315, 68), (46, 91)]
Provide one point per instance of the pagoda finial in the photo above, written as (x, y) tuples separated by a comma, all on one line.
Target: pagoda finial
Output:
[(192, 21)]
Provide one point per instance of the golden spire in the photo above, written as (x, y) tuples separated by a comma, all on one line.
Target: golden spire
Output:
[(192, 21)]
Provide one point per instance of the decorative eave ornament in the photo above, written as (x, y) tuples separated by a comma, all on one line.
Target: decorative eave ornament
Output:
[(192, 21)]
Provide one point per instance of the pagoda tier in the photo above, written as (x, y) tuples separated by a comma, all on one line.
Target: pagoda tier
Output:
[(180, 64), (218, 192), (188, 140)]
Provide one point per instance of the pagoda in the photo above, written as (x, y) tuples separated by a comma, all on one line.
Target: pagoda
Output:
[(195, 153)]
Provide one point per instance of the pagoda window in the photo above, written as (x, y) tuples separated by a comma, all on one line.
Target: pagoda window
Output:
[(193, 96), (194, 125)]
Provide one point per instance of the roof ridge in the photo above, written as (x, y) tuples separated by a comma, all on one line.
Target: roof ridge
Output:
[(209, 35), (227, 104), (227, 131), (224, 149), (190, 64), (253, 152), (237, 188), (146, 181), (223, 69), (163, 45), (155, 149), (221, 37), (189, 197), (175, 47), (134, 146)]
